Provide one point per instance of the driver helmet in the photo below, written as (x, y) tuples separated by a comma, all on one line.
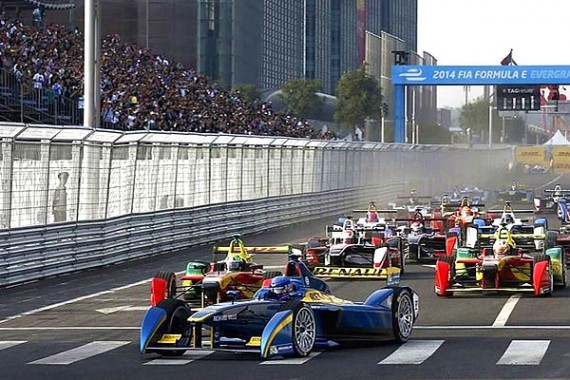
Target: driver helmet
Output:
[(416, 226), (445, 199), (508, 219), (557, 190), (281, 286), (234, 266), (348, 223), (501, 247), (514, 185)]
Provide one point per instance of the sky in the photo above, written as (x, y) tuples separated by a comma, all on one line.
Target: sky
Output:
[(482, 32)]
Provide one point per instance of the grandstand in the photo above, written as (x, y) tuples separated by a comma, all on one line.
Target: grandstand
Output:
[(41, 82)]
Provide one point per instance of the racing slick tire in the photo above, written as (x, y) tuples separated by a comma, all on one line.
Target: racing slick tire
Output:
[(402, 314), (540, 258), (177, 314), (550, 241), (170, 278), (304, 329)]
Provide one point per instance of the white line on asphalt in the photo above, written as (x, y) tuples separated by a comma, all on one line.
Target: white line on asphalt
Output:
[(524, 352), (506, 311), (188, 357), (111, 310), (554, 180), (492, 327), (456, 327), (292, 361), (4, 344), (413, 352), (70, 328), (56, 305), (80, 353), (432, 266)]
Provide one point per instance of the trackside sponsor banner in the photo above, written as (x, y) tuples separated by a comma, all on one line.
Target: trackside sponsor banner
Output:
[(531, 155), (378, 273), (561, 156)]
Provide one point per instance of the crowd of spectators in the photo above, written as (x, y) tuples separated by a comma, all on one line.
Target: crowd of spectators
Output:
[(139, 90)]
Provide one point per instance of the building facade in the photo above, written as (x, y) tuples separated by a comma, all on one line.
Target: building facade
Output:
[(400, 18), (167, 27)]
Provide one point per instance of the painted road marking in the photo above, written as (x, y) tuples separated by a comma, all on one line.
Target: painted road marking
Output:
[(413, 352), (188, 357), (506, 311), (4, 344), (70, 328), (56, 305), (111, 310), (81, 353), (292, 361), (524, 352), (553, 327)]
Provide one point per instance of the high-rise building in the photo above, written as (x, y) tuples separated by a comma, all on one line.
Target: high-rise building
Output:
[(400, 19), (167, 27)]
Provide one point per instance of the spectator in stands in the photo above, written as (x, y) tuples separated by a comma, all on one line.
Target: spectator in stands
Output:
[(139, 90)]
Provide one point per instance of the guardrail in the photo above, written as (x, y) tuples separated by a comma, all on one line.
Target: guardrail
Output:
[(33, 253)]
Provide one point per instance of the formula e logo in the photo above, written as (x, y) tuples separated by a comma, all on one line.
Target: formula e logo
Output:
[(413, 75)]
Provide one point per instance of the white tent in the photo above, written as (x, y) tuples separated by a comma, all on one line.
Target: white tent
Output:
[(557, 139)]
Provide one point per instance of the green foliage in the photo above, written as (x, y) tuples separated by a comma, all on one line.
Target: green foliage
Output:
[(300, 97), (475, 115), (359, 97), (249, 91), (434, 134)]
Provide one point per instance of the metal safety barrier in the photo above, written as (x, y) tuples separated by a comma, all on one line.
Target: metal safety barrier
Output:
[(33, 253)]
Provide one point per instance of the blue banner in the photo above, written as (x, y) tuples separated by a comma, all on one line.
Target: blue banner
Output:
[(479, 75)]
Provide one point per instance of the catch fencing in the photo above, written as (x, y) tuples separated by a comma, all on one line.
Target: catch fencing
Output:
[(76, 198)]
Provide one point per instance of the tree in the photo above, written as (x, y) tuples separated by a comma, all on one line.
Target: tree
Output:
[(300, 97), (475, 115), (249, 92), (434, 134), (359, 97)]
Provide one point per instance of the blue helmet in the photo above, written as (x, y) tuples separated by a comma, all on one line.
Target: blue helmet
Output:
[(281, 285)]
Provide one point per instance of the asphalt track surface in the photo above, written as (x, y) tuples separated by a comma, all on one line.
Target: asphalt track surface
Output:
[(85, 326)]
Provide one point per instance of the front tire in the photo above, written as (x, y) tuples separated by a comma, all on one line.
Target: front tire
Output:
[(304, 330), (177, 314), (402, 314)]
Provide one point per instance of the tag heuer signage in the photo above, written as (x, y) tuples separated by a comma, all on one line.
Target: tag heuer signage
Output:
[(518, 98)]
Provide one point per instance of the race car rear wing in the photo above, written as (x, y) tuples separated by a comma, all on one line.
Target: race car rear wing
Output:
[(390, 274), (381, 211), (218, 250), (563, 192)]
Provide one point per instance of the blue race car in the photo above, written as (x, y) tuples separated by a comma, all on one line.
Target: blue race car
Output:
[(288, 317)]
